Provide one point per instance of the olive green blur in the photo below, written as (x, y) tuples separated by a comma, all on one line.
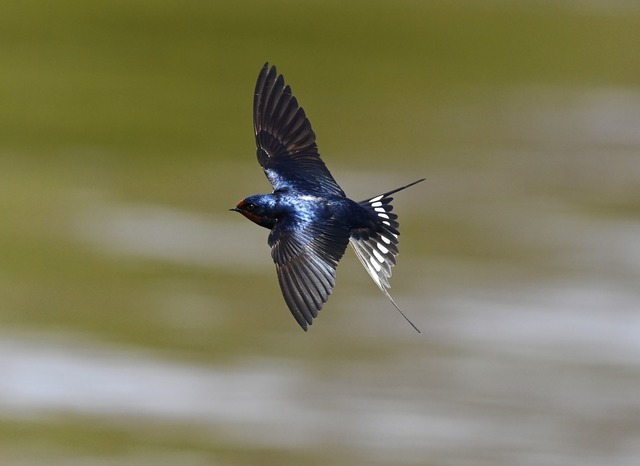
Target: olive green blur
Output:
[(112, 111)]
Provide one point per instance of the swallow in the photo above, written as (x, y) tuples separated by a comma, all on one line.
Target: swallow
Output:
[(311, 220)]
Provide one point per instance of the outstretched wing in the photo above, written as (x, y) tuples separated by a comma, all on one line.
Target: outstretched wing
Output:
[(306, 258), (287, 149)]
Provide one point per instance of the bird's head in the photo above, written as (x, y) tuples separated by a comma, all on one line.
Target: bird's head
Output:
[(259, 209)]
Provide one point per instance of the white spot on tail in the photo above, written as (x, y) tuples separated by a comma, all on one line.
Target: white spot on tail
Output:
[(383, 250), (375, 264), (384, 216), (385, 239), (376, 204), (376, 199), (378, 256)]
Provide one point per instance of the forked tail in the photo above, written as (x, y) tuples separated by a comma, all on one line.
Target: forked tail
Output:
[(377, 248)]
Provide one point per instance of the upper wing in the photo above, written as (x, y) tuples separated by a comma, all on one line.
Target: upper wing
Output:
[(287, 149), (306, 259)]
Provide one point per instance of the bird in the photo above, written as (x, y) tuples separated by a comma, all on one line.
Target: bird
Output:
[(310, 218)]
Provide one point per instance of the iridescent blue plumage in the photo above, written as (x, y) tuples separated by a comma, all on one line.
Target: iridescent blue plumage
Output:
[(310, 218)]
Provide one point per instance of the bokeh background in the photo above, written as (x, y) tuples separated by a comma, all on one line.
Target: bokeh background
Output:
[(141, 322)]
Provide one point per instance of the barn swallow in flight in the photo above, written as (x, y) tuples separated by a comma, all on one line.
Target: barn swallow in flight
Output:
[(310, 218)]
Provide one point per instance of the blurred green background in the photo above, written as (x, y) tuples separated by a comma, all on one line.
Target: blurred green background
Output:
[(141, 322)]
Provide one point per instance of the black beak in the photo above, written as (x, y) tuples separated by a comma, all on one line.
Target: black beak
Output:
[(235, 209)]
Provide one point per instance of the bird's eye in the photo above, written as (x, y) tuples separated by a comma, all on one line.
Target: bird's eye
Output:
[(249, 206)]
